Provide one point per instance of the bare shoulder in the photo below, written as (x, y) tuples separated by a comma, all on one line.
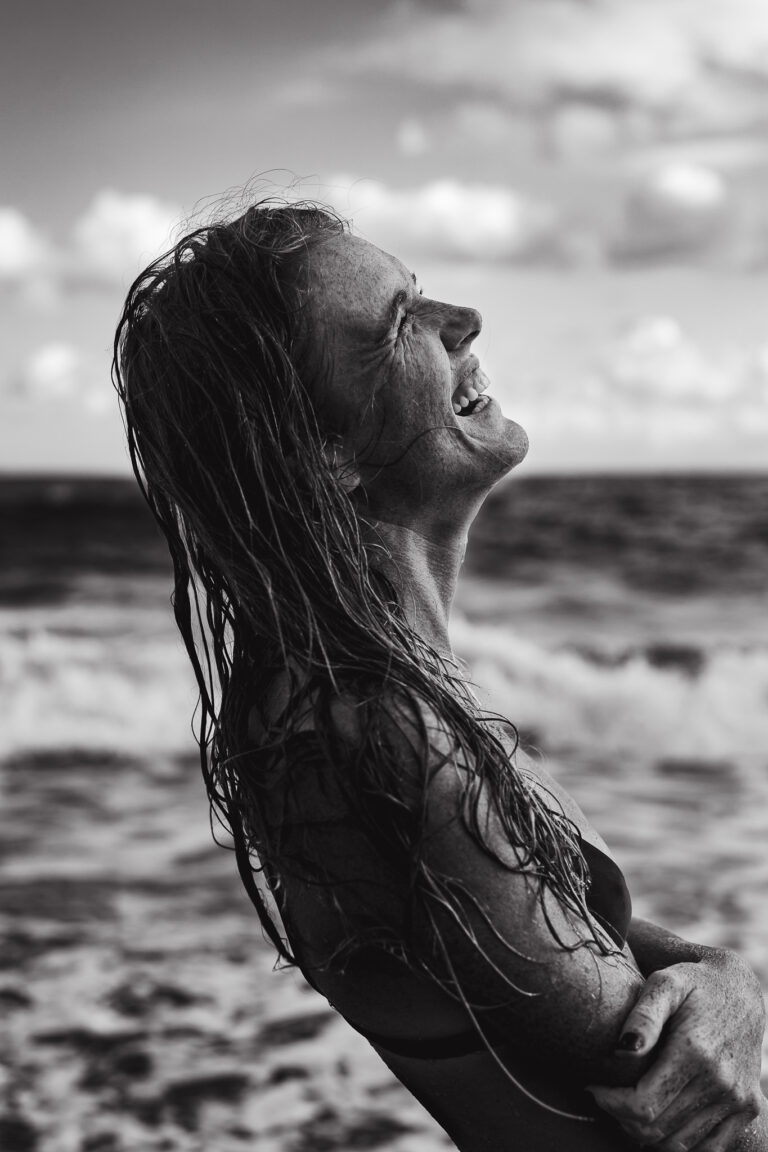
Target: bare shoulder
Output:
[(517, 953)]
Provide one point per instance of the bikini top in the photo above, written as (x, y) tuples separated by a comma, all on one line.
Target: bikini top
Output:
[(607, 898)]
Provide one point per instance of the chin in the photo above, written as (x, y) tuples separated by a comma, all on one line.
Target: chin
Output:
[(521, 442), (515, 446)]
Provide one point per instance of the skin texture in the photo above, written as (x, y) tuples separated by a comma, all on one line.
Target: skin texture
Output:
[(709, 1083), (419, 474), (397, 358)]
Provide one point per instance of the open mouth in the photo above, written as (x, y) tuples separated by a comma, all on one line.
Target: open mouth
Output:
[(469, 397), (474, 406)]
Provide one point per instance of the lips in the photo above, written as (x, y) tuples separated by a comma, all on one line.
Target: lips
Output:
[(470, 366)]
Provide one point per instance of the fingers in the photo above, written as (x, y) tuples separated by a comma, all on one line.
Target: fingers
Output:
[(723, 1135), (687, 1137), (661, 996), (664, 1091), (705, 1126), (683, 1126)]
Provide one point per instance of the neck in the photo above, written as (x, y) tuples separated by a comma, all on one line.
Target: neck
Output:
[(423, 570)]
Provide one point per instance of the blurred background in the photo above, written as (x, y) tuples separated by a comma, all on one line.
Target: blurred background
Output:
[(591, 175)]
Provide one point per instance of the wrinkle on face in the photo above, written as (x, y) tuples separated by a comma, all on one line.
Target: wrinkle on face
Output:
[(395, 356)]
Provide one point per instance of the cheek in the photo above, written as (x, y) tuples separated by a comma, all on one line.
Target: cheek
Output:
[(362, 402), (426, 372)]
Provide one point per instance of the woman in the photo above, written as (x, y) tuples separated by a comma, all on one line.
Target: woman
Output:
[(315, 437)]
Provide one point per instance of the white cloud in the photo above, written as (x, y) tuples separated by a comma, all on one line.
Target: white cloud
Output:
[(686, 66), (654, 387), (485, 122), (412, 138), (734, 33), (578, 130), (678, 206), (116, 236), (527, 52), (23, 251), (60, 373), (450, 220), (119, 234), (52, 372), (654, 360)]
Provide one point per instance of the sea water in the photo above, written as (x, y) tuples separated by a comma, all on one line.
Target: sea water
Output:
[(620, 622)]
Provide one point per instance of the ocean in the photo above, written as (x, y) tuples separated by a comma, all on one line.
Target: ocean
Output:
[(620, 621)]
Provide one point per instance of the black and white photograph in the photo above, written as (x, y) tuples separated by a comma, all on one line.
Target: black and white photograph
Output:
[(384, 576)]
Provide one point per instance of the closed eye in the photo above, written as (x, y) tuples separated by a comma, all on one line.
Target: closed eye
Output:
[(407, 314)]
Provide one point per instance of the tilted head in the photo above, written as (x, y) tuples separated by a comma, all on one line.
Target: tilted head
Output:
[(400, 364), (277, 341), (278, 377)]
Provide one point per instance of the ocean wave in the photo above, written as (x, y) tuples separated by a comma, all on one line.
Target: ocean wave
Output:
[(663, 700), (120, 681), (90, 680)]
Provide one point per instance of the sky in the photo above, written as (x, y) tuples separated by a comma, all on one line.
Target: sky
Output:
[(590, 174)]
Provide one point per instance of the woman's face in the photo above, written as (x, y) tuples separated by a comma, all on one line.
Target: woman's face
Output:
[(399, 365)]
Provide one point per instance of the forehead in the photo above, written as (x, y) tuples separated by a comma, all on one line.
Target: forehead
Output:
[(351, 278)]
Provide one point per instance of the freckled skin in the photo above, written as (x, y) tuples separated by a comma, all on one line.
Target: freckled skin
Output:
[(395, 368)]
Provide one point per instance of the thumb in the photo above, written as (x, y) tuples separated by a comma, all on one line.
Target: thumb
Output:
[(660, 997)]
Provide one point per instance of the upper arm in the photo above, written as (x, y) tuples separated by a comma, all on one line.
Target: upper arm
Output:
[(520, 952)]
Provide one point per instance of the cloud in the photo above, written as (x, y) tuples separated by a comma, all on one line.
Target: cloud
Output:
[(60, 373), (532, 51), (675, 211), (654, 360), (654, 68), (678, 207), (412, 138), (119, 234), (450, 220), (577, 130), (653, 386), (23, 251), (114, 238), (52, 372), (734, 34)]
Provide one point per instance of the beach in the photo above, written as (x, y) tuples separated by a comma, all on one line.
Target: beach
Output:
[(620, 622)]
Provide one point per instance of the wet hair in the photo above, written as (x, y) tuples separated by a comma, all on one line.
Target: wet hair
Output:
[(272, 575)]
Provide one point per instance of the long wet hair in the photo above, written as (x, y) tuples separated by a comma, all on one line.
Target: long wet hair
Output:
[(272, 574)]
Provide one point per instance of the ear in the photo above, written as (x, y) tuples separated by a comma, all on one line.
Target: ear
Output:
[(343, 466)]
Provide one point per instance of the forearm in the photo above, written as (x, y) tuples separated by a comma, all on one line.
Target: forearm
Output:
[(655, 948)]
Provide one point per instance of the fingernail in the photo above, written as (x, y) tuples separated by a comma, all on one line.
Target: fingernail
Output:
[(630, 1042)]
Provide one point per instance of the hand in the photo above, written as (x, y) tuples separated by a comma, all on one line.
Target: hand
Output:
[(703, 1089)]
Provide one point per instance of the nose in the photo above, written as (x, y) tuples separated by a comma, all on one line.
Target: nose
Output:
[(459, 327)]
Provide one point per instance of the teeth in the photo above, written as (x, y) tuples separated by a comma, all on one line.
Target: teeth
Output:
[(470, 389)]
